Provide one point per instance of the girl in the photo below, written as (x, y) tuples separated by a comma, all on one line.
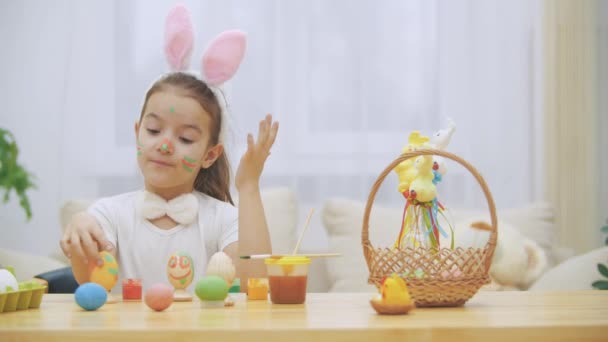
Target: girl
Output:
[(186, 204)]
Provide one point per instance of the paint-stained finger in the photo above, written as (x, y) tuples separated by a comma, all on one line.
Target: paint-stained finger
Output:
[(90, 249), (102, 242), (65, 244), (76, 248)]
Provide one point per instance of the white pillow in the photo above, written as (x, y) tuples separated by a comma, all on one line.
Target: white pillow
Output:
[(577, 273), (535, 221), (343, 221), (28, 265), (280, 207)]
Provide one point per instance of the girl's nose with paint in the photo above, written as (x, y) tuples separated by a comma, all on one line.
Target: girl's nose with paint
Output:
[(166, 146)]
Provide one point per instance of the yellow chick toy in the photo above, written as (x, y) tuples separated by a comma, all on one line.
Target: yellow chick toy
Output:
[(422, 188), (406, 170), (394, 297), (394, 291)]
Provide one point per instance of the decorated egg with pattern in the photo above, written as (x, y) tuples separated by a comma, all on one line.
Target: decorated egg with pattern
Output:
[(106, 275), (180, 270)]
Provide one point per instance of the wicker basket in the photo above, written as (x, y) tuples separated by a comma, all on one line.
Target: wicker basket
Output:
[(438, 284)]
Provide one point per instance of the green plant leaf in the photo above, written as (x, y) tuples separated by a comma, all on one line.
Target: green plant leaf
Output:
[(605, 229), (603, 269), (606, 241), (12, 175), (600, 284)]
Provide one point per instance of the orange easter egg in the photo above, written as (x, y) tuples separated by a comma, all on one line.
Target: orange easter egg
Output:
[(180, 270), (106, 275)]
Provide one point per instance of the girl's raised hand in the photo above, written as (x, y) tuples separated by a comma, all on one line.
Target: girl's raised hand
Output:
[(252, 162)]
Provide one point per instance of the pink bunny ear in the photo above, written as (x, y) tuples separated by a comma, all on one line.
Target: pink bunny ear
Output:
[(179, 38), (223, 56)]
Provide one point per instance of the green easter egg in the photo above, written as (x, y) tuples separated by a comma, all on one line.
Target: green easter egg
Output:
[(211, 288), (419, 273)]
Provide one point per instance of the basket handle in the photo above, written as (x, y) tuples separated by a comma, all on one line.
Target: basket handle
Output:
[(367, 246)]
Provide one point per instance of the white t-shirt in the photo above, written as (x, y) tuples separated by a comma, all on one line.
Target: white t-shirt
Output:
[(143, 250)]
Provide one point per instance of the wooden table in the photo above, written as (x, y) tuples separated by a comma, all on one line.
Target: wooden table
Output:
[(488, 317)]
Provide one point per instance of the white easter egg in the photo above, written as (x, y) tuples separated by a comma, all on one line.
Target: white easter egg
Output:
[(221, 265), (7, 279)]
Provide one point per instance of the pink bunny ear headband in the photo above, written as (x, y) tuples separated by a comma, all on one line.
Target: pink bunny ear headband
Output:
[(220, 61)]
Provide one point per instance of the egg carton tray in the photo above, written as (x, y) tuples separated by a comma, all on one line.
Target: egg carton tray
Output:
[(29, 296)]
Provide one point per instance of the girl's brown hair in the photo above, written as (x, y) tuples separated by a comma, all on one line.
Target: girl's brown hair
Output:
[(215, 180)]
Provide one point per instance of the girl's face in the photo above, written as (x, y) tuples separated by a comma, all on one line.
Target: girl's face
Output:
[(173, 139)]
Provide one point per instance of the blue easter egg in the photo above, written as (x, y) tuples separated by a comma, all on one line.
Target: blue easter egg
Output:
[(90, 296)]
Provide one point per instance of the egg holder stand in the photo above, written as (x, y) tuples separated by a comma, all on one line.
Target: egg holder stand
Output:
[(29, 296), (433, 288)]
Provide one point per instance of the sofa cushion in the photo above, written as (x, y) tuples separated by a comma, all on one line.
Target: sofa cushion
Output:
[(576, 273), (28, 265), (280, 206)]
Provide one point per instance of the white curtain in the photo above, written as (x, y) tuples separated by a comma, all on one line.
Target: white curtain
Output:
[(349, 85), (348, 80)]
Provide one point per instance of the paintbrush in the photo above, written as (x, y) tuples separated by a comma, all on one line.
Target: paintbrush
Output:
[(276, 256)]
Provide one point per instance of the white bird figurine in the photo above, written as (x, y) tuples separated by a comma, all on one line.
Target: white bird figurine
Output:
[(440, 140), (442, 137)]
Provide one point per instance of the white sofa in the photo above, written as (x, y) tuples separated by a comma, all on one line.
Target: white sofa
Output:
[(341, 220), (282, 215)]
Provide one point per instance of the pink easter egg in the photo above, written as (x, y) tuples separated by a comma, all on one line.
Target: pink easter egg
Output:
[(451, 274), (159, 297)]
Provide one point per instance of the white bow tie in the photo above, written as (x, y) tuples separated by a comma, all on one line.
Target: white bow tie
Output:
[(182, 209)]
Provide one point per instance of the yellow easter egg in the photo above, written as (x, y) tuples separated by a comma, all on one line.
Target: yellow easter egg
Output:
[(106, 275), (180, 270)]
